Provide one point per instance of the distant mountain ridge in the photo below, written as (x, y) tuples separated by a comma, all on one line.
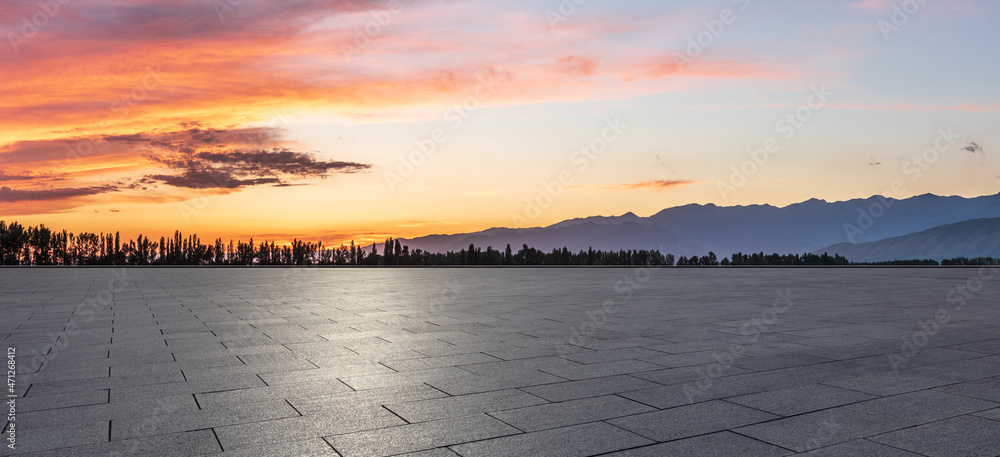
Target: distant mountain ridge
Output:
[(696, 229), (974, 238)]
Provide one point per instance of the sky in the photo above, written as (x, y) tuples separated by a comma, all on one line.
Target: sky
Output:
[(333, 120)]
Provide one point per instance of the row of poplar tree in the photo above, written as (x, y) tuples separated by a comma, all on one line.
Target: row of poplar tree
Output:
[(20, 245)]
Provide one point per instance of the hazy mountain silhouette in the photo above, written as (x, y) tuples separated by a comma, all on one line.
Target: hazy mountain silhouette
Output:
[(577, 235), (697, 229), (974, 238)]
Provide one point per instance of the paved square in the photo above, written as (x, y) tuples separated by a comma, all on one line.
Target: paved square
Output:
[(476, 362)]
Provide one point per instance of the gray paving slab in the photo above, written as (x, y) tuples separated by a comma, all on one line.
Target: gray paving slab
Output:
[(184, 388), (315, 447), (571, 390), (338, 421), (966, 436), (685, 394), (45, 402), (101, 412), (310, 405), (439, 452), (189, 361), (960, 370), (986, 389), (423, 363), (202, 419), (198, 442), (611, 355), (474, 384), (889, 383), (823, 428), (576, 441), (402, 378), (577, 372), (571, 412), (991, 347), (993, 414), (526, 366), (691, 420), (777, 361), (686, 359), (927, 405), (291, 392), (40, 438), (800, 399), (463, 405), (859, 448), (420, 437), (790, 377), (721, 444)]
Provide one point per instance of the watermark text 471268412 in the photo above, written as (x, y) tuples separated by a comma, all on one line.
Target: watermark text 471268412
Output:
[(11, 432)]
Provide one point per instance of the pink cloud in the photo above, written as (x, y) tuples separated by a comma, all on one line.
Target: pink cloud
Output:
[(655, 186), (875, 5)]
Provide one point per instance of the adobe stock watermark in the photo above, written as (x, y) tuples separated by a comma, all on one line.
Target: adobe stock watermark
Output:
[(32, 26), (787, 125), (450, 291), (750, 333), (76, 152), (124, 104), (914, 168), (364, 35), (598, 317), (562, 12), (455, 117), (582, 158), (956, 297), (11, 432), (223, 7), (711, 31), (823, 434), (901, 14)]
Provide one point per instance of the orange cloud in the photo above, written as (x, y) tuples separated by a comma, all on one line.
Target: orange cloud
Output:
[(576, 65), (217, 161), (655, 186), (120, 67), (168, 95), (671, 66)]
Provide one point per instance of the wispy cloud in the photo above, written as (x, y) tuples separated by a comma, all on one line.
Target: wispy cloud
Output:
[(8, 194), (195, 158), (25, 176), (293, 59), (235, 169), (873, 5), (655, 186), (913, 107)]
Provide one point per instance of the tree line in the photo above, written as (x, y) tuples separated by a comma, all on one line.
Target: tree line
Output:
[(20, 245), (39, 245), (959, 261)]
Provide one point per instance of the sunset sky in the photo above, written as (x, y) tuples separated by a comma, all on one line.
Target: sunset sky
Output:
[(314, 118)]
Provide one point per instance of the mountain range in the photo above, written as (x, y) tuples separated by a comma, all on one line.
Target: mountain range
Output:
[(871, 229), (975, 238)]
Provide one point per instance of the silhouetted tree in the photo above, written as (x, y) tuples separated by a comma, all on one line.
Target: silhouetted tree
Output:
[(41, 246)]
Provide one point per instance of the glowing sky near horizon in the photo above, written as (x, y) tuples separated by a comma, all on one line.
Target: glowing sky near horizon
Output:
[(300, 118)]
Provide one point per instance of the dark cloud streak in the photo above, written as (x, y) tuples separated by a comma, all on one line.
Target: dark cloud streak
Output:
[(242, 168), (15, 195), (6, 177)]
